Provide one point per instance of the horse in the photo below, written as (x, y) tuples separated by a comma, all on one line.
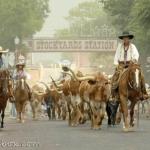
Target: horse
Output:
[(6, 92), (22, 96), (129, 88)]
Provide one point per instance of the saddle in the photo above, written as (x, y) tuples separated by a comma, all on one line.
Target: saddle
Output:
[(117, 77)]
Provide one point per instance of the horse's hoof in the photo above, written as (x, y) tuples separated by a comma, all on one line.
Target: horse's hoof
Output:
[(125, 129), (22, 121), (72, 125), (96, 128), (128, 129), (131, 129)]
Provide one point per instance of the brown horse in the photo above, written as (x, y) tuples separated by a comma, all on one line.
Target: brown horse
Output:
[(6, 92), (130, 89), (21, 94)]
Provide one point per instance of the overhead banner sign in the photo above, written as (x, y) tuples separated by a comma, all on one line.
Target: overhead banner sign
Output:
[(51, 45)]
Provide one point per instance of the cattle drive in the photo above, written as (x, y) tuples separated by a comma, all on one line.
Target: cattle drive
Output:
[(77, 96)]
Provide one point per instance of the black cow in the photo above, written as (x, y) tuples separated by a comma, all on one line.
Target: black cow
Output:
[(111, 109)]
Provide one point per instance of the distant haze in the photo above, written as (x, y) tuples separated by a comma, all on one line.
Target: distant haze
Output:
[(56, 20)]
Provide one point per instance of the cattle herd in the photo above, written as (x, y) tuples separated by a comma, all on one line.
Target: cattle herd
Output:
[(77, 99)]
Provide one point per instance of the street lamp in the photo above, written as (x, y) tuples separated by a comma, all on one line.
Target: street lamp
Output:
[(16, 41)]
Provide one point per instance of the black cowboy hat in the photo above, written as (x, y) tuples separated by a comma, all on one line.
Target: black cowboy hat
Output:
[(126, 34)]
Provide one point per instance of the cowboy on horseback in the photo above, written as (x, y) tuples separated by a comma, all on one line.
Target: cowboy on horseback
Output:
[(20, 73), (125, 54)]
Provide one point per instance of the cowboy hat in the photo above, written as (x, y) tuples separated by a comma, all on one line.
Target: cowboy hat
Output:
[(3, 51), (126, 34)]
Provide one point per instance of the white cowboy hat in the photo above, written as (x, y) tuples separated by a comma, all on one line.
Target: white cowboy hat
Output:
[(3, 51), (66, 63), (21, 61)]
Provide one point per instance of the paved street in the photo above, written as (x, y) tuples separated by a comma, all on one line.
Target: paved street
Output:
[(56, 135)]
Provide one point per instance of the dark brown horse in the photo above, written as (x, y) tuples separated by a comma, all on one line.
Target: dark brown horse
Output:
[(130, 89), (6, 92)]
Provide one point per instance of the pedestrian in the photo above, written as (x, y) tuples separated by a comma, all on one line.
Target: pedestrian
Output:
[(3, 61)]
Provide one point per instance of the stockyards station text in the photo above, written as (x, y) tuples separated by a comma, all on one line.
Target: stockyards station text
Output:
[(75, 45)]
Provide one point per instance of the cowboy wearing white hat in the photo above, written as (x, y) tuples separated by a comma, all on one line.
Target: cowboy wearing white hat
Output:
[(63, 76), (125, 53), (20, 72), (3, 63)]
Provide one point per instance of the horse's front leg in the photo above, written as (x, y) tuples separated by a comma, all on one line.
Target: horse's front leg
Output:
[(18, 109), (132, 113), (124, 108), (23, 113), (2, 116)]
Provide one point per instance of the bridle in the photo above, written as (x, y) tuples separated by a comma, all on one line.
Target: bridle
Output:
[(5, 82), (130, 83)]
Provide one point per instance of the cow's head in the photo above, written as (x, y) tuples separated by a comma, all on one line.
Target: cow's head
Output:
[(99, 87)]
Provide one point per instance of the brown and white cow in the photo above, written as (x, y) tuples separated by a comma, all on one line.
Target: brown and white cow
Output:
[(38, 94), (95, 91), (70, 88), (59, 104)]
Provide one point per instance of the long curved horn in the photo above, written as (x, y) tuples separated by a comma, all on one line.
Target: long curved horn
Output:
[(72, 77), (76, 77), (47, 88), (38, 93), (57, 86)]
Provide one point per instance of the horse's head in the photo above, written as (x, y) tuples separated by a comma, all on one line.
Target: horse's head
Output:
[(6, 82), (135, 76)]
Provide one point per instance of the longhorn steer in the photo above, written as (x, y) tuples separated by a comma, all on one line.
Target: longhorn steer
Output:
[(95, 91)]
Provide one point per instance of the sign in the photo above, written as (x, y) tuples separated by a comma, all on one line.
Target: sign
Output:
[(52, 45)]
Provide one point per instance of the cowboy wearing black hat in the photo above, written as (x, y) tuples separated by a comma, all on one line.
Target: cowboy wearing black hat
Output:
[(125, 54)]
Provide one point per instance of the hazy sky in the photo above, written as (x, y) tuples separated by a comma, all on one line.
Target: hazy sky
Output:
[(59, 10)]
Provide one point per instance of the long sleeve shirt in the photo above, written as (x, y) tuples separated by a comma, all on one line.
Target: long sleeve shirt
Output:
[(20, 74), (132, 53)]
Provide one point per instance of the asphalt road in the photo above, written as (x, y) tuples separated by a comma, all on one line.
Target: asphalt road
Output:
[(56, 135)]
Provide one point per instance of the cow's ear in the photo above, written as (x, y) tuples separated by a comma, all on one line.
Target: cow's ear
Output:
[(92, 82)]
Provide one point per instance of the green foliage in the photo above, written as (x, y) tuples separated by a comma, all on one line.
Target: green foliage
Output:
[(85, 20), (20, 18), (133, 15)]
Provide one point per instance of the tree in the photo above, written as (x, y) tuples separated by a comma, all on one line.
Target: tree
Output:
[(21, 18), (86, 21), (132, 15)]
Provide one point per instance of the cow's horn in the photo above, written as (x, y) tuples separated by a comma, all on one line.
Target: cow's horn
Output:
[(47, 88), (56, 85), (80, 78)]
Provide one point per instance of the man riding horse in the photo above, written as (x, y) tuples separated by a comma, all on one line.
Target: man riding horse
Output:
[(20, 73), (125, 54), (6, 86)]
